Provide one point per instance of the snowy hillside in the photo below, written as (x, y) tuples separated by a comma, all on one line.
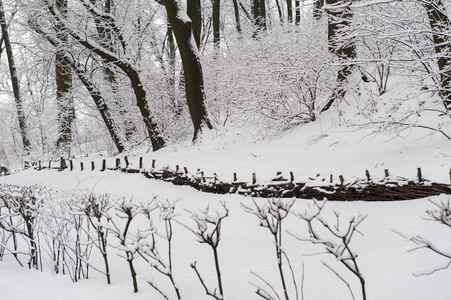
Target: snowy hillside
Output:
[(338, 143)]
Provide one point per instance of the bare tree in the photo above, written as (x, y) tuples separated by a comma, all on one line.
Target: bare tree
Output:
[(339, 16), (14, 81), (336, 240), (440, 24), (208, 232), (63, 75), (96, 95), (182, 27), (271, 213), (440, 214), (123, 64)]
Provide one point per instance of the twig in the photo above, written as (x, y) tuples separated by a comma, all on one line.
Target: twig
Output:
[(207, 290), (338, 275)]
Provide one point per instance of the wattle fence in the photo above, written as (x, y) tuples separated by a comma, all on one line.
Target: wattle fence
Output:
[(388, 188)]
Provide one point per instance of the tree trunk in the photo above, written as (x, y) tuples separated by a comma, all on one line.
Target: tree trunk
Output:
[(440, 24), (318, 9), (237, 16), (194, 81), (289, 11), (297, 11), (64, 97), (15, 82), (339, 18), (259, 16), (216, 23), (195, 14), (107, 39)]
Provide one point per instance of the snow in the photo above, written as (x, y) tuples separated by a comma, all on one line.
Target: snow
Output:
[(386, 259)]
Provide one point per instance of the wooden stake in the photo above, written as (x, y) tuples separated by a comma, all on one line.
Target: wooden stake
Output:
[(62, 163), (367, 174), (40, 167), (202, 176), (420, 177), (140, 162), (386, 173), (176, 168), (71, 164), (254, 178), (50, 164), (118, 163), (92, 166), (81, 165), (331, 178), (342, 180), (291, 177), (153, 163), (103, 165), (186, 170), (234, 177), (126, 161)]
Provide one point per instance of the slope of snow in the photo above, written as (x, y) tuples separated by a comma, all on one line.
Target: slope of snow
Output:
[(327, 146)]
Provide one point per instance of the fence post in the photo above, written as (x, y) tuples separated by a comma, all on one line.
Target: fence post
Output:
[(62, 164)]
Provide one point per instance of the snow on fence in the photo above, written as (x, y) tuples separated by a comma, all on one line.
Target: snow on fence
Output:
[(387, 188)]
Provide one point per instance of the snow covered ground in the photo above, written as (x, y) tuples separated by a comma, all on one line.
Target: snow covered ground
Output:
[(383, 255), (322, 147)]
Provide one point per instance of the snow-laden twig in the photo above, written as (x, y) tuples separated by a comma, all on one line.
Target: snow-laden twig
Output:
[(271, 213), (208, 232), (336, 238), (442, 215)]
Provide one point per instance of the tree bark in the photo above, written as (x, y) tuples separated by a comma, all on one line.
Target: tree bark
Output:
[(64, 97), (15, 82), (195, 14), (216, 23), (440, 24), (194, 81), (237, 16), (290, 11), (259, 16), (339, 18)]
